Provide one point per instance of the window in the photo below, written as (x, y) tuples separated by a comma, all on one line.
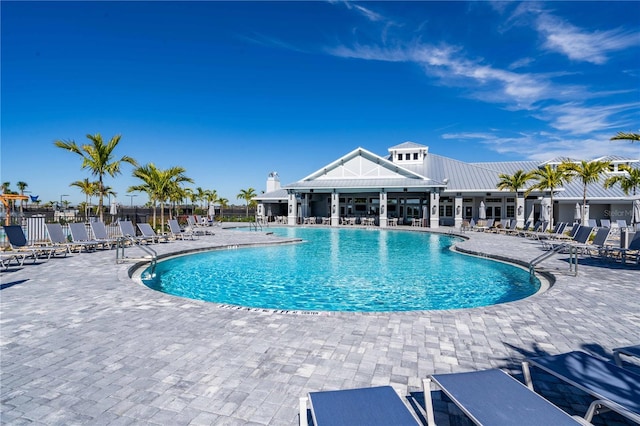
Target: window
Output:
[(511, 210), (400, 157), (415, 155)]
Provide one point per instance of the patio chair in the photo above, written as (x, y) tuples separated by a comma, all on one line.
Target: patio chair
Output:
[(80, 236), (7, 257), (197, 228), (364, 406), (613, 387), (19, 244), (148, 232), (178, 232), (621, 223), (492, 397), (598, 246), (625, 254), (100, 233), (633, 351), (128, 231), (58, 238)]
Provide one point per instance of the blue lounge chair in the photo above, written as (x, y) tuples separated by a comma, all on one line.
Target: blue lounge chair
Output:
[(628, 351), (365, 406), (613, 387), (492, 397)]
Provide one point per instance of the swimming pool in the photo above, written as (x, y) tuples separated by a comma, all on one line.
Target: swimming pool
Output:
[(338, 269)]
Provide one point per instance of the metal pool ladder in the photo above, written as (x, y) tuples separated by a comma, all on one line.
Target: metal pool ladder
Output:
[(151, 255), (573, 258)]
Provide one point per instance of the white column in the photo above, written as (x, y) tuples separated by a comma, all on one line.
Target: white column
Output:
[(293, 209), (457, 210), (520, 211), (335, 209), (434, 210), (383, 210)]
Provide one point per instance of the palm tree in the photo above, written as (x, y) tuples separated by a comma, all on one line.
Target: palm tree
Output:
[(247, 195), (89, 189), (159, 185), (549, 178), (623, 136), (21, 187), (6, 187), (98, 157), (210, 196), (588, 172), (223, 203), (515, 183), (629, 181)]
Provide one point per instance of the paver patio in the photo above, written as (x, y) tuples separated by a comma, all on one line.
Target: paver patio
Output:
[(81, 343)]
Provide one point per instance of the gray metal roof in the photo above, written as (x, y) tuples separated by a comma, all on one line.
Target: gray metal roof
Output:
[(407, 145), (452, 175), (277, 195)]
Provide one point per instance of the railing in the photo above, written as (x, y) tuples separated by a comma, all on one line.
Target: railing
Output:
[(128, 241), (573, 258)]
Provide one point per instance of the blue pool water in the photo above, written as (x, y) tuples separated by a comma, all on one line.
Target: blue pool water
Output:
[(345, 270)]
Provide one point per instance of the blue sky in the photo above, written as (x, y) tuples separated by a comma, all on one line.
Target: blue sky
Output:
[(234, 90)]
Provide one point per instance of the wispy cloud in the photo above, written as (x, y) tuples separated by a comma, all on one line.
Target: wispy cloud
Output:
[(581, 45), (578, 119), (542, 146)]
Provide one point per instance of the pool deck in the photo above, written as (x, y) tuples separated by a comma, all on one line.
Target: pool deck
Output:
[(82, 343)]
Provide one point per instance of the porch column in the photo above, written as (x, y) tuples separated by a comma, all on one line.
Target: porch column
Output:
[(457, 209), (383, 209), (520, 211), (305, 205), (434, 210), (335, 209), (293, 209), (260, 212)]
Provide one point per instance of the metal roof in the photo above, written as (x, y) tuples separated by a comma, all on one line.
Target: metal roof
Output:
[(407, 145), (435, 172)]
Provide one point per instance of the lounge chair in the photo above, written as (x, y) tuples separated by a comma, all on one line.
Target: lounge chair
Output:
[(100, 233), (197, 228), (592, 223), (128, 231), (58, 238), (492, 397), (613, 387), (578, 241), (178, 232), (80, 236), (605, 223), (633, 351), (621, 223), (598, 246), (7, 257), (625, 254), (148, 232), (19, 244), (365, 406)]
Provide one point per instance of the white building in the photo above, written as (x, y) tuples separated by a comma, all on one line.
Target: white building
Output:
[(412, 185)]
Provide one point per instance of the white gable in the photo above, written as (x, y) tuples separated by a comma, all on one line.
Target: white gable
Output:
[(362, 164), (359, 168)]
